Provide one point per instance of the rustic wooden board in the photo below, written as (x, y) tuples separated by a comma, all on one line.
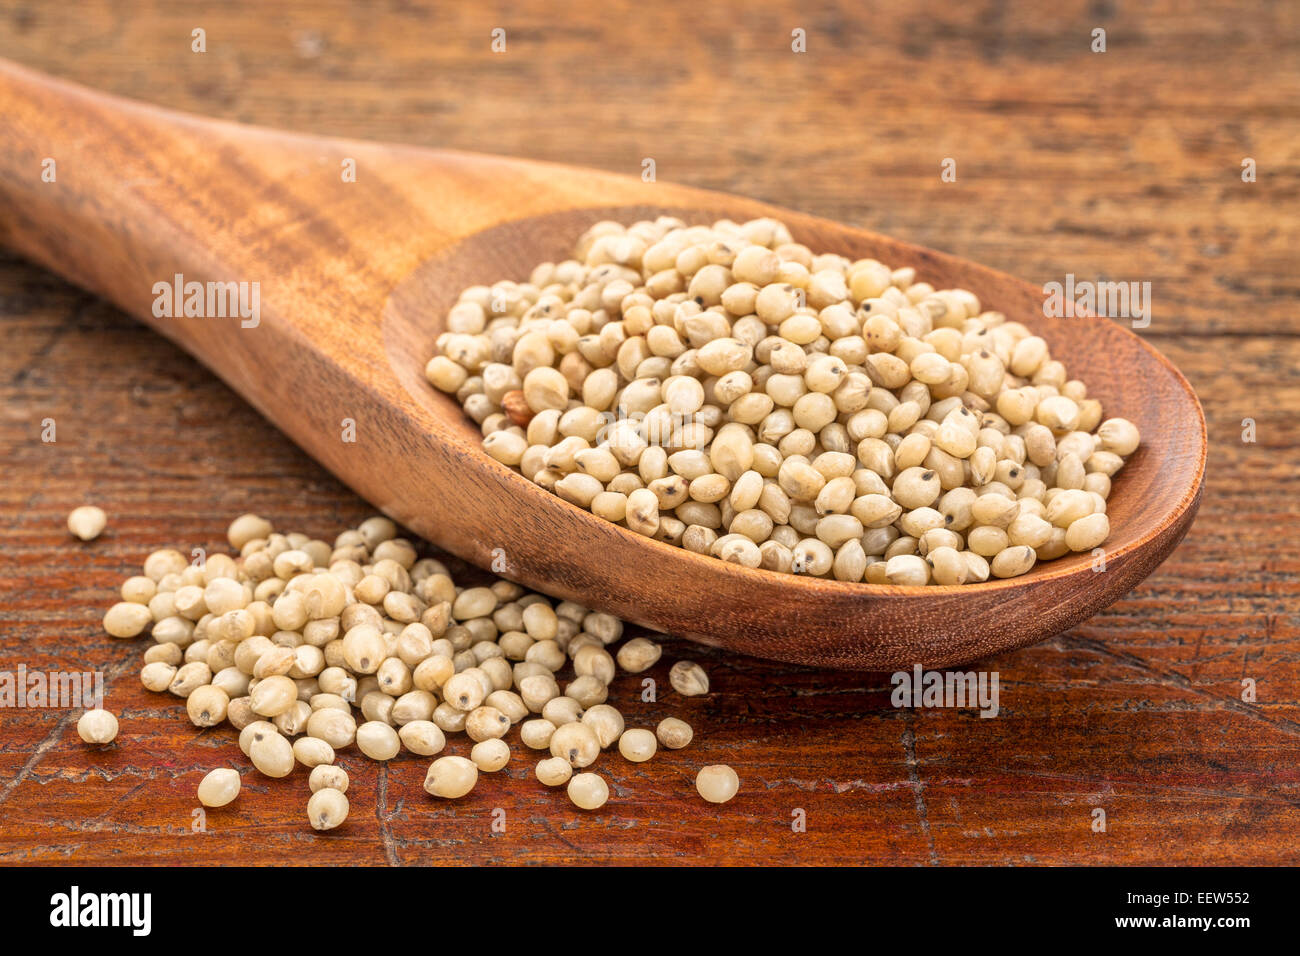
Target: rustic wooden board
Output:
[(1123, 166)]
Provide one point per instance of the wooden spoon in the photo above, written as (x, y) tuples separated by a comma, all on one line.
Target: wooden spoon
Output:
[(355, 278)]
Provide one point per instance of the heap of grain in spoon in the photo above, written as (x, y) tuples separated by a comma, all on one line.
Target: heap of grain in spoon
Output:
[(724, 389)]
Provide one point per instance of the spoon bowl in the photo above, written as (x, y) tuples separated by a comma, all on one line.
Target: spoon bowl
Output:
[(355, 278)]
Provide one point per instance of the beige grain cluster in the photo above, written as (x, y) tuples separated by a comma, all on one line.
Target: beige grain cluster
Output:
[(724, 389), (310, 648)]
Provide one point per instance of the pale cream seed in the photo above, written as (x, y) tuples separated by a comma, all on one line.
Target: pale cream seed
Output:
[(554, 771), (689, 679), (637, 745), (577, 743), (490, 755), (271, 754), (588, 791), (219, 787), (97, 726), (717, 783), (422, 737), (638, 655), (451, 777), (377, 740), (324, 776), (127, 619), (312, 752), (327, 808), (87, 522), (674, 733)]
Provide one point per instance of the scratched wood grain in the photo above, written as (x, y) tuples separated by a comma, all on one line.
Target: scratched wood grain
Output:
[(1124, 166)]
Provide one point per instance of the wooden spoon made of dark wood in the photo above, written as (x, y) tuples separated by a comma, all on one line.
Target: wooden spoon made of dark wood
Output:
[(355, 278)]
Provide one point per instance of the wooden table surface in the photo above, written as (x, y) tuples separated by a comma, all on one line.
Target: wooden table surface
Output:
[(1122, 165)]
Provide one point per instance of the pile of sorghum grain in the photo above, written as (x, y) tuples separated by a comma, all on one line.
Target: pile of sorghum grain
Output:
[(723, 389), (308, 648)]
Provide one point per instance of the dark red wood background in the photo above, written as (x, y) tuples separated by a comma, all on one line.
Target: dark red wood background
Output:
[(1123, 165)]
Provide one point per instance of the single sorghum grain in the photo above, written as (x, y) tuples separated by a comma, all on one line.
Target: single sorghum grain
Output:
[(588, 791), (717, 784), (689, 679), (673, 733), (97, 727), (87, 522), (637, 745), (219, 787), (327, 808), (451, 777)]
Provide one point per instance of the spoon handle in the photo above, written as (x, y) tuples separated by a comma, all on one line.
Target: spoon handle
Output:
[(75, 178), (124, 199), (135, 202)]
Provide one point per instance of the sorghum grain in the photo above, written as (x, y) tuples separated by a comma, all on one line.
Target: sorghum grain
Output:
[(97, 726), (219, 787), (327, 808), (490, 755), (87, 522), (637, 745), (451, 777), (323, 776), (717, 783), (689, 679), (554, 771), (588, 791), (673, 733)]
